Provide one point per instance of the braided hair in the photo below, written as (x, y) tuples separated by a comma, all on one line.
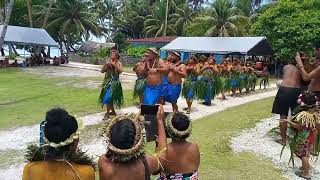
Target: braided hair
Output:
[(180, 122), (123, 134)]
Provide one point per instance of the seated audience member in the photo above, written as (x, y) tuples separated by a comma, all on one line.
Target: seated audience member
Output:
[(14, 64), (183, 157), (126, 141), (2, 63), (56, 61), (59, 158)]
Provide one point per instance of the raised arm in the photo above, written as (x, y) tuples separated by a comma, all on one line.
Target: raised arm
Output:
[(162, 67), (307, 76), (205, 66), (104, 68), (181, 70), (293, 124), (161, 144), (118, 67)]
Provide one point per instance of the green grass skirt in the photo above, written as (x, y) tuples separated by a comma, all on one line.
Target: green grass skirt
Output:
[(139, 87), (188, 85), (116, 93)]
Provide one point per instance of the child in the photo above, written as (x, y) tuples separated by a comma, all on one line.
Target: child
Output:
[(304, 126)]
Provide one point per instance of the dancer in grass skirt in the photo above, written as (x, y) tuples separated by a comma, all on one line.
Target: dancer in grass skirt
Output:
[(111, 92), (140, 83), (304, 131), (206, 83), (189, 84), (235, 76), (225, 75), (252, 77)]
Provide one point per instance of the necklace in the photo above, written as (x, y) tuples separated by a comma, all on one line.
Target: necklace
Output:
[(154, 63)]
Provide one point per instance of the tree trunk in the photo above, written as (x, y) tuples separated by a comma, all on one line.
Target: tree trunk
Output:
[(49, 52), (2, 15), (6, 22), (15, 50), (166, 20), (47, 14), (68, 44), (61, 48), (30, 12)]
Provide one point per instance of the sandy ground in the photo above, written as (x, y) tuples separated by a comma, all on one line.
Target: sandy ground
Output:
[(258, 141), (127, 79), (29, 134)]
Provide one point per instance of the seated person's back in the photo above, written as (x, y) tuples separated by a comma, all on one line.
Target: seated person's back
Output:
[(59, 158), (183, 157), (50, 170), (125, 157)]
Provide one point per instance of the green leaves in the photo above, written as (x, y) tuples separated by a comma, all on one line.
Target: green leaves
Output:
[(136, 51), (290, 26)]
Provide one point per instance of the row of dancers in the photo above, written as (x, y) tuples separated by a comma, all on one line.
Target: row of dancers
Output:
[(160, 81)]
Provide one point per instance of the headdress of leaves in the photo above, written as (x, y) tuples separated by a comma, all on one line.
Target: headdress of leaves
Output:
[(138, 149), (173, 132)]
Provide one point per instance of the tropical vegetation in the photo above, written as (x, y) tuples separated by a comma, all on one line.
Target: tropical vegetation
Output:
[(289, 25)]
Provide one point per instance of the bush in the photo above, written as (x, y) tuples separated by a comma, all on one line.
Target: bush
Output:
[(121, 40), (12, 56), (136, 51), (290, 26), (103, 52)]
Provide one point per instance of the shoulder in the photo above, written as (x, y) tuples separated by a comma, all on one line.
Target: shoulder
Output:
[(31, 165), (86, 171)]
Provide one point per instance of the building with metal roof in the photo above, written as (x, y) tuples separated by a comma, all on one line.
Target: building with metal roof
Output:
[(256, 46), (28, 36)]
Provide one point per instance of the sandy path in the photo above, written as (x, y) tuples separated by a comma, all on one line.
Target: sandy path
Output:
[(256, 140)]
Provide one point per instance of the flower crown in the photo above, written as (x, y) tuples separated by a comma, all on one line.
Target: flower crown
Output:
[(301, 102), (71, 138)]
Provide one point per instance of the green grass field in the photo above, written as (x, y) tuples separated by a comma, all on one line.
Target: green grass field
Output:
[(24, 98)]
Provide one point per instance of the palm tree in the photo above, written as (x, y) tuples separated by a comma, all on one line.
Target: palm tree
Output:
[(130, 20), (182, 17), (29, 6), (225, 19), (159, 23), (74, 19), (9, 7), (46, 17)]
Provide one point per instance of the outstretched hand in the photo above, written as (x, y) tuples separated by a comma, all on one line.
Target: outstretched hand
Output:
[(160, 114), (298, 58)]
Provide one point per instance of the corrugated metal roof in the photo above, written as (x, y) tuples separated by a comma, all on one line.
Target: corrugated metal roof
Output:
[(155, 40), (28, 36), (221, 45)]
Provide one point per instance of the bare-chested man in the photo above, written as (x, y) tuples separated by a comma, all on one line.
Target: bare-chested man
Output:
[(289, 90), (140, 84), (313, 76), (155, 68), (177, 71)]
